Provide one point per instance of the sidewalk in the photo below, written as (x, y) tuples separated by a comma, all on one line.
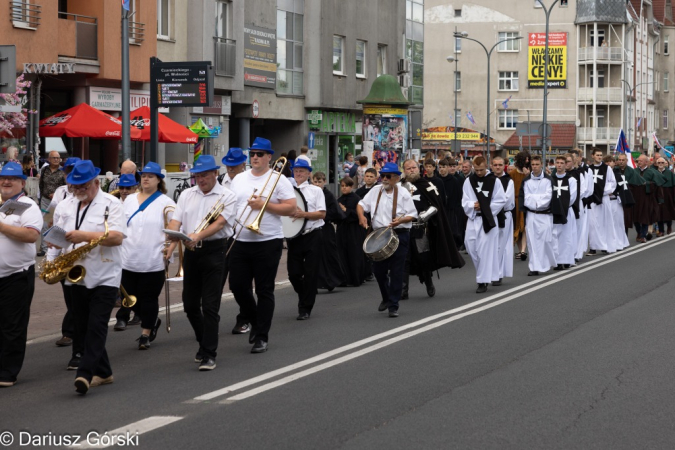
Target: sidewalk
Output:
[(48, 307)]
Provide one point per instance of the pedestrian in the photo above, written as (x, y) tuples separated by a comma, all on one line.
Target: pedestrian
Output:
[(505, 226), (331, 272), (564, 221), (600, 215), (350, 235), (519, 171)]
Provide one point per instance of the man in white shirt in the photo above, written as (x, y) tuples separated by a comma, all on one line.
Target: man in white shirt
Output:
[(390, 206), (204, 261), (85, 218), (18, 234), (256, 255), (304, 251)]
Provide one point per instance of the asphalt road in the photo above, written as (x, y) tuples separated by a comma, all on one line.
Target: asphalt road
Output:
[(580, 359)]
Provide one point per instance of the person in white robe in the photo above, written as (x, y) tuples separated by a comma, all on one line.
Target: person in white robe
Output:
[(586, 188), (505, 233), (564, 234), (600, 219), (537, 192), (619, 240)]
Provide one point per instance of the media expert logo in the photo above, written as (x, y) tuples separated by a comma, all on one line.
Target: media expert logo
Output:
[(557, 60)]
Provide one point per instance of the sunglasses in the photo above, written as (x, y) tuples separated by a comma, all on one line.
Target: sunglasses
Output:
[(387, 175), (258, 154)]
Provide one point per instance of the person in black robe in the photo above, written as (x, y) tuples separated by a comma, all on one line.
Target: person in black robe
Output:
[(453, 193), (331, 273), (430, 174), (350, 235), (667, 206), (431, 244)]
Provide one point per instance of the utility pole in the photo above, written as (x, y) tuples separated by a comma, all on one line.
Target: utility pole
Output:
[(547, 11), (126, 112)]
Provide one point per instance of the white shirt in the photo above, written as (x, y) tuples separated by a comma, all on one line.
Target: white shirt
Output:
[(227, 181), (142, 249), (537, 192), (194, 205), (16, 256), (103, 264), (61, 193), (404, 206), (316, 201), (243, 187), (305, 158), (510, 196)]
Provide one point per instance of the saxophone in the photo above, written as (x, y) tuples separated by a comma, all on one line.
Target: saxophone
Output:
[(63, 267)]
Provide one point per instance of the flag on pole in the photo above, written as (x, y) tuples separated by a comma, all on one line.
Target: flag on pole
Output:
[(656, 140), (639, 122), (452, 120), (125, 4), (622, 147), (505, 103), (470, 117), (198, 149)]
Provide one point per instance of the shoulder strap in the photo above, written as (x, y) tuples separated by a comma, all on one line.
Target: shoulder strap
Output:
[(377, 203), (145, 204), (393, 209)]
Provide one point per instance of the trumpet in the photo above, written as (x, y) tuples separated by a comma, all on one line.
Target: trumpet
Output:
[(210, 217)]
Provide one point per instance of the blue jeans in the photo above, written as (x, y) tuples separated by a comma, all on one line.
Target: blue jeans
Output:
[(389, 273), (641, 229)]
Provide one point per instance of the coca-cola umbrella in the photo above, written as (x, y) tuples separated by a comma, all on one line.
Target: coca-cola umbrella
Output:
[(168, 131)]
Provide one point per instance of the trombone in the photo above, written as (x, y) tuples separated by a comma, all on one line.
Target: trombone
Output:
[(167, 211)]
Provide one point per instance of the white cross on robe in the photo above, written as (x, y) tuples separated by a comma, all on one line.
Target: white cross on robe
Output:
[(479, 189), (597, 176), (623, 183), (559, 188), (432, 187)]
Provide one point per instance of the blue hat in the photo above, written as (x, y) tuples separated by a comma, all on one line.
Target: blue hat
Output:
[(83, 172), (390, 168), (204, 163), (127, 180), (70, 162), (12, 169), (302, 164), (234, 157), (262, 144), (153, 168)]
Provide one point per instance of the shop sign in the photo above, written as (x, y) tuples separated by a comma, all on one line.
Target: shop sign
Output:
[(49, 68), (332, 122), (385, 110), (444, 136), (260, 57), (110, 99)]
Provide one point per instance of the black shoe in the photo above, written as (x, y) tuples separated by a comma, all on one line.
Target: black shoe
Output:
[(120, 325), (431, 289), (590, 253), (523, 256), (497, 283), (207, 364), (40, 254), (393, 313), (135, 321), (532, 273), (566, 266), (153, 332), (143, 342), (370, 277), (241, 328), (558, 267), (649, 236), (577, 260), (199, 357), (482, 287), (74, 362), (302, 316), (383, 306), (404, 296), (259, 347)]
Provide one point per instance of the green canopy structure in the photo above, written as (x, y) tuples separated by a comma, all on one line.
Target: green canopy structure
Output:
[(385, 91), (201, 129)]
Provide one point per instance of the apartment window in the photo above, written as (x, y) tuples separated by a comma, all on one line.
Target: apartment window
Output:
[(599, 120), (381, 60), (338, 55), (509, 46), (361, 59), (458, 45), (290, 38), (458, 81), (599, 40), (163, 30), (665, 119), (666, 47), (601, 79), (223, 19), (508, 81), (665, 81), (563, 3), (414, 32), (508, 118), (458, 13)]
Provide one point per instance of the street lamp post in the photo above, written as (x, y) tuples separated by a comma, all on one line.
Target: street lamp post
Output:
[(628, 122), (547, 11), (488, 53), (454, 113)]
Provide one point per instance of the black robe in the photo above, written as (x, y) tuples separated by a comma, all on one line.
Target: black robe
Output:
[(363, 190), (331, 273), (350, 237), (560, 204), (454, 210)]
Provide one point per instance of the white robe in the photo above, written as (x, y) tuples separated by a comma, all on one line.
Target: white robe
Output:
[(539, 227), (483, 247), (620, 239), (506, 235), (564, 235), (601, 219), (586, 186)]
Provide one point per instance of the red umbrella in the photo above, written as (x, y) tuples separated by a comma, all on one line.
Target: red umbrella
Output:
[(169, 131), (84, 121)]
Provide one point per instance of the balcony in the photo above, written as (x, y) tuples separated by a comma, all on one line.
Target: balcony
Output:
[(603, 95), (604, 54), (604, 135), (225, 56), (136, 33), (24, 14), (78, 36)]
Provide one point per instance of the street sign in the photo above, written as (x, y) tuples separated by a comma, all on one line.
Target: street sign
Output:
[(310, 140), (548, 143), (256, 109), (184, 83), (7, 69), (549, 129)]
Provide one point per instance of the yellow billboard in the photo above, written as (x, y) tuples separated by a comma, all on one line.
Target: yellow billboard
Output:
[(446, 136), (557, 60)]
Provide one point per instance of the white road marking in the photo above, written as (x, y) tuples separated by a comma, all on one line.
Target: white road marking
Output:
[(530, 287), (133, 429)]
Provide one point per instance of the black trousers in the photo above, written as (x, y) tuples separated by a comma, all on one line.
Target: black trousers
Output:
[(68, 324), (389, 273), (91, 311), (241, 317), (303, 261), (202, 288), (16, 294), (146, 286), (257, 261), (124, 313)]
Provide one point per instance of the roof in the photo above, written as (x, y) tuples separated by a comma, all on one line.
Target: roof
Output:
[(608, 11), (563, 135), (663, 12), (385, 91)]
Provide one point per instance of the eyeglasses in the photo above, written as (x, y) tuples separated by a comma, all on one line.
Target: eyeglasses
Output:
[(387, 175), (126, 188), (258, 154), (82, 187)]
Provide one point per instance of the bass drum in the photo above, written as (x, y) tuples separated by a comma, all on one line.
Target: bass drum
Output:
[(294, 227), (380, 244)]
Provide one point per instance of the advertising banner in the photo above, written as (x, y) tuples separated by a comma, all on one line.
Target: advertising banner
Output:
[(449, 136), (557, 60), (388, 134), (260, 57)]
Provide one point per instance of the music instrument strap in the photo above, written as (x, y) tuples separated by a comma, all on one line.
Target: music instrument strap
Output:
[(393, 210), (78, 222), (145, 204)]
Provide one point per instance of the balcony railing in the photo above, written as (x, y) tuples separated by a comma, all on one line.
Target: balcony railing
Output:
[(603, 54), (603, 95), (604, 134), (136, 33), (85, 29), (225, 56), (23, 13)]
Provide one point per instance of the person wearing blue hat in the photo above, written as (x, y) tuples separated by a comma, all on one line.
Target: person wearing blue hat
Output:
[(126, 185), (84, 218), (235, 163), (51, 177), (390, 207), (19, 231), (204, 263), (126, 167), (256, 256), (143, 260), (304, 251)]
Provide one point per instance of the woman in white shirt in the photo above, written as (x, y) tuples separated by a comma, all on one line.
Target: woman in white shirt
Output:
[(143, 269)]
